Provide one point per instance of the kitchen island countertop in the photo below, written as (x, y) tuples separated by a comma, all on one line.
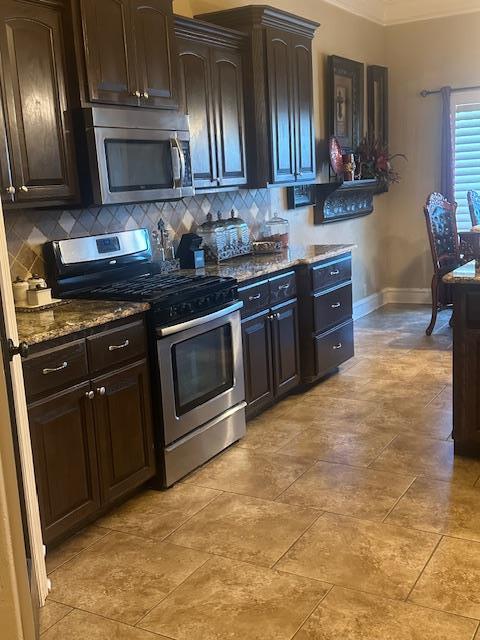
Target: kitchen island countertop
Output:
[(36, 327), (466, 274)]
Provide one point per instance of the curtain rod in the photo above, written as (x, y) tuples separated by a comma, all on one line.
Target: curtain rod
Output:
[(426, 93)]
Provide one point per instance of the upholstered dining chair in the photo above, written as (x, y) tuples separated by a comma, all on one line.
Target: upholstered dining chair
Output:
[(473, 198), (440, 216)]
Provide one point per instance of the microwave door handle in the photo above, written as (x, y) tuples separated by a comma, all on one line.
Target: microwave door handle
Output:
[(176, 163), (182, 161)]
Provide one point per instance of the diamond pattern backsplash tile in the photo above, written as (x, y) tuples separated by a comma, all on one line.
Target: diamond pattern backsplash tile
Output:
[(28, 230)]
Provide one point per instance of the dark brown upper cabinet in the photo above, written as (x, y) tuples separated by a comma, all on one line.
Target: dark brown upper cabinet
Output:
[(211, 93), (128, 52), (37, 158), (279, 85)]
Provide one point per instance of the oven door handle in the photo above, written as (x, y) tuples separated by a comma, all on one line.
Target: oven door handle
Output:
[(197, 322)]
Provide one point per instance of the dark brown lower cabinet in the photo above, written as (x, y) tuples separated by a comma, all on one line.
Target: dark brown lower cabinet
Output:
[(271, 355), (91, 425), (286, 358), (257, 361), (62, 429), (124, 430)]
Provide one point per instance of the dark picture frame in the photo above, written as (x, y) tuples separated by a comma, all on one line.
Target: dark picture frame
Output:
[(377, 103), (346, 79), (300, 196)]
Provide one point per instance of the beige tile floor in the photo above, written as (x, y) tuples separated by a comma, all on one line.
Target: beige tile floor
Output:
[(343, 514)]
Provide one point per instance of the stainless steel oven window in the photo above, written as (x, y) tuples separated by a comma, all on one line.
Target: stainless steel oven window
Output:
[(196, 407), (203, 368), (134, 165)]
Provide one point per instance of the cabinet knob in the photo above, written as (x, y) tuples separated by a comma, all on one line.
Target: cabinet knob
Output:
[(11, 190), (145, 95), (136, 94), (90, 395), (337, 346), (24, 188), (101, 391)]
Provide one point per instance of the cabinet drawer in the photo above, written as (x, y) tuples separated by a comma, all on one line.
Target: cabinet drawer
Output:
[(328, 275), (333, 348), (255, 298), (332, 308), (282, 287), (114, 347), (55, 368)]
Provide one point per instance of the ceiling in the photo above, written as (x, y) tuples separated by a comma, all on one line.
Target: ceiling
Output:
[(389, 12)]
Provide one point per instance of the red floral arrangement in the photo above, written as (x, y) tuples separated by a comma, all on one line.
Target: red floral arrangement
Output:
[(375, 162)]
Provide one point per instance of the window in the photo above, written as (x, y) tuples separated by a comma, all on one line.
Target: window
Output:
[(466, 110)]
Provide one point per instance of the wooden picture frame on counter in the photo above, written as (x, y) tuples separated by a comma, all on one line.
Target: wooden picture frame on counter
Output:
[(301, 196), (345, 81), (377, 103)]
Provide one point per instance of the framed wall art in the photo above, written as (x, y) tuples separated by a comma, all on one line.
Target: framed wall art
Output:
[(377, 103), (346, 91), (300, 196)]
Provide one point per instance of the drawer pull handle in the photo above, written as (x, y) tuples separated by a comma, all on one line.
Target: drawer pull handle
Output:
[(284, 287), (335, 272), (255, 297), (337, 346), (64, 365), (336, 305), (115, 347)]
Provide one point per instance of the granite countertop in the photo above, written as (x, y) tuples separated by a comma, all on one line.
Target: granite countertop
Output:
[(39, 326), (249, 267), (466, 274)]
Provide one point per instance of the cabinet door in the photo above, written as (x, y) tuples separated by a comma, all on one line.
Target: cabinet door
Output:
[(304, 118), (124, 425), (197, 102), (109, 51), (286, 359), (257, 361), (36, 114), (229, 117), (64, 455), (156, 52), (6, 177), (281, 106)]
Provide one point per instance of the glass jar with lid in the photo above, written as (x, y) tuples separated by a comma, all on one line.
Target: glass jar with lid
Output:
[(276, 229)]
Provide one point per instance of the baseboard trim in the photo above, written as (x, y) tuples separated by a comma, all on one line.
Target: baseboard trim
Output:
[(367, 305), (390, 295), (406, 296)]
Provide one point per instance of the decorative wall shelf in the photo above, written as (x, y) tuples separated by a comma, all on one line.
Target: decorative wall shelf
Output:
[(335, 201)]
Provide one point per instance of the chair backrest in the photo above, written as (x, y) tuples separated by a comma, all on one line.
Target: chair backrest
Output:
[(473, 198), (441, 219)]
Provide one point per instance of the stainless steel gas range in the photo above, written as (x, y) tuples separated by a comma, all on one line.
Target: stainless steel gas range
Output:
[(195, 341)]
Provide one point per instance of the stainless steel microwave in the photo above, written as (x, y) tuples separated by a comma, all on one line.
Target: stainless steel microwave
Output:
[(137, 155)]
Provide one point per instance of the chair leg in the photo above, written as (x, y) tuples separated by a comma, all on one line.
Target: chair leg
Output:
[(431, 326)]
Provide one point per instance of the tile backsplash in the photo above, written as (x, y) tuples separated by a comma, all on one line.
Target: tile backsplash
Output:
[(28, 230)]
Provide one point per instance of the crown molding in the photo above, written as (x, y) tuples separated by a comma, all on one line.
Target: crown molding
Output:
[(402, 11), (391, 12), (373, 10)]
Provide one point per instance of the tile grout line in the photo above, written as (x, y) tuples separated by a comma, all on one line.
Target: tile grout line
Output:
[(332, 586), (398, 500), (75, 555), (407, 599), (136, 625), (274, 565)]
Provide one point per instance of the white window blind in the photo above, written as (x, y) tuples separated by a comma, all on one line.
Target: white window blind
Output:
[(467, 157)]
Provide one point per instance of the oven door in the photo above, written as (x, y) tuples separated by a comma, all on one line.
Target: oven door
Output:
[(135, 165), (201, 370)]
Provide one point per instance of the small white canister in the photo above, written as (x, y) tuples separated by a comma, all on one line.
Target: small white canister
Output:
[(20, 288)]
